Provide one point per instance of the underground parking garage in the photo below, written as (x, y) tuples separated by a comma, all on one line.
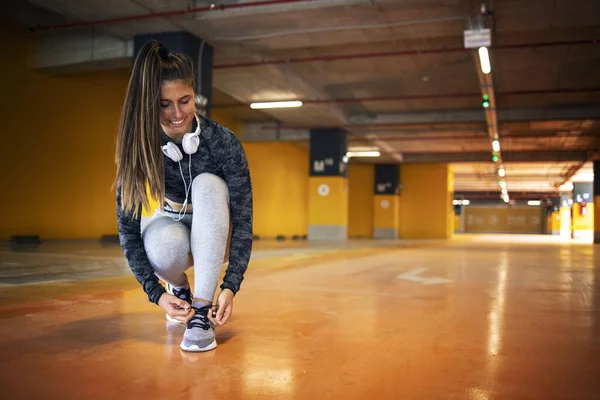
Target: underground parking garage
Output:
[(407, 203)]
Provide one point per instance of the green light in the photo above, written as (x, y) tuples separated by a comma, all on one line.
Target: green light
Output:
[(486, 101), (495, 158)]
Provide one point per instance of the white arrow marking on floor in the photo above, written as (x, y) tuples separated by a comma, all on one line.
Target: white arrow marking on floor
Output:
[(414, 276)]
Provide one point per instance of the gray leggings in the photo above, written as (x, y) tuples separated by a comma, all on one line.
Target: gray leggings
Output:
[(205, 232)]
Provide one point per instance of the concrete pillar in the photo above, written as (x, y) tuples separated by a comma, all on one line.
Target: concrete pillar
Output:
[(565, 215), (596, 201), (426, 210), (200, 52), (328, 185), (555, 216), (386, 201), (583, 210)]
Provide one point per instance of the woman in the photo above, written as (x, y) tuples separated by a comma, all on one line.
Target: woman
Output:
[(198, 170)]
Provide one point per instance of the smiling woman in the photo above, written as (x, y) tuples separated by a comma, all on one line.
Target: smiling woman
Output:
[(176, 109), (161, 136)]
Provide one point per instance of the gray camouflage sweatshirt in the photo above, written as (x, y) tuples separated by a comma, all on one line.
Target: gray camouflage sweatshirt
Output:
[(220, 153)]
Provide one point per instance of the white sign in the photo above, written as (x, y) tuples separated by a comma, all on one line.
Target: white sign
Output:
[(476, 38), (319, 165), (323, 190), (381, 187), (414, 277)]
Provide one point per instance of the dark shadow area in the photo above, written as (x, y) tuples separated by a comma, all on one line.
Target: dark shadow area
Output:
[(87, 334)]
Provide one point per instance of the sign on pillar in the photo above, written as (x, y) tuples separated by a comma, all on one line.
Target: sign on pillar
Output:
[(328, 185), (386, 201)]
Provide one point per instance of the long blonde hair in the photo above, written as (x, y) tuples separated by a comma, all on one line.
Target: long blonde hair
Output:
[(139, 155)]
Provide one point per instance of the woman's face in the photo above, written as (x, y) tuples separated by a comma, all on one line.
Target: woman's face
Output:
[(176, 108)]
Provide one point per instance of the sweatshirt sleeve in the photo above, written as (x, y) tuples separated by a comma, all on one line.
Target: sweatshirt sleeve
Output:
[(130, 238), (230, 155)]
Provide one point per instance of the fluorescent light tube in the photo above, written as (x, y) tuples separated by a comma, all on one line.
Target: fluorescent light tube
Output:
[(496, 145), (276, 104), (534, 203), (363, 154), (484, 59)]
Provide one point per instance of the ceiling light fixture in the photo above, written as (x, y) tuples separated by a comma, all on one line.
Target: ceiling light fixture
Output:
[(501, 172), (534, 203), (276, 104), (461, 202), (484, 59), (363, 154), (496, 145)]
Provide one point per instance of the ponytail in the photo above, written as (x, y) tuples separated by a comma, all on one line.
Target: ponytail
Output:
[(138, 154)]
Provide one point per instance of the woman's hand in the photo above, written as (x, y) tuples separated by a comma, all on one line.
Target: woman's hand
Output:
[(176, 308), (225, 303)]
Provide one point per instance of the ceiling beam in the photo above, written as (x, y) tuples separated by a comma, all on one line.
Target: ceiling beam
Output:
[(525, 156), (493, 195), (478, 115)]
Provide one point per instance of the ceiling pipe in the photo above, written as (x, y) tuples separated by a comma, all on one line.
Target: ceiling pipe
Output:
[(165, 14), (423, 97), (399, 53)]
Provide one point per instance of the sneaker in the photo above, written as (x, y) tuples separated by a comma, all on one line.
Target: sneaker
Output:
[(199, 334), (183, 294)]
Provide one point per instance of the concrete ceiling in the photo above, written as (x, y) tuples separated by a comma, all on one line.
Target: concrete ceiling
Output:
[(395, 74)]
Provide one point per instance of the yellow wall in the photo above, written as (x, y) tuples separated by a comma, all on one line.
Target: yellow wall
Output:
[(227, 120), (61, 132), (583, 222), (361, 182), (426, 210), (58, 133), (503, 219), (279, 173)]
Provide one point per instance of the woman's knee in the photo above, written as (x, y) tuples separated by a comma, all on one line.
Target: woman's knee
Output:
[(167, 245), (210, 184)]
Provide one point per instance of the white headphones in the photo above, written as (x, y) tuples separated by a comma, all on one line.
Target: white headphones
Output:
[(190, 144)]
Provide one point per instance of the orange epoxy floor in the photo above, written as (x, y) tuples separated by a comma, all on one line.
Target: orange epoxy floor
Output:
[(483, 317)]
